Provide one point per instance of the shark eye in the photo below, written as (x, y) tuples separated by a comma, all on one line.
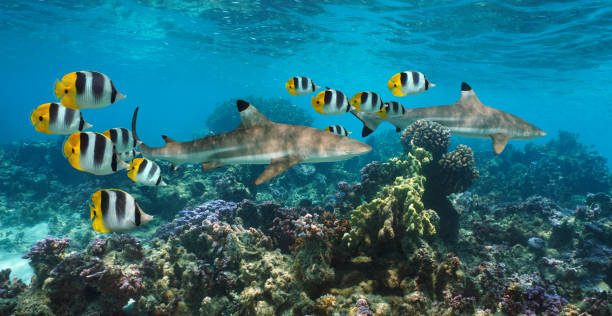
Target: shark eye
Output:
[(40, 118)]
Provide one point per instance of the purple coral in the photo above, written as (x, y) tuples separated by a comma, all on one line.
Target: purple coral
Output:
[(534, 300), (212, 211), (10, 288), (47, 249)]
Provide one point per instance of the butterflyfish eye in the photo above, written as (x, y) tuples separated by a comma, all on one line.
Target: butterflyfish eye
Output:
[(40, 118), (65, 90), (73, 150), (317, 102)]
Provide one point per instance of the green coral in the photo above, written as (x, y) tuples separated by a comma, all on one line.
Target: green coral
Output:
[(397, 209)]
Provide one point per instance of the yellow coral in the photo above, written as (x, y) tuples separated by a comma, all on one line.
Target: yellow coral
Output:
[(400, 203), (325, 304)]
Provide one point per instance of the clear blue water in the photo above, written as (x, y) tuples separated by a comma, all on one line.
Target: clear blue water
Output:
[(547, 62)]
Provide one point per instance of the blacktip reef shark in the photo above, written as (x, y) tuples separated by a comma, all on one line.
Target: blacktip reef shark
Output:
[(257, 140), (466, 117)]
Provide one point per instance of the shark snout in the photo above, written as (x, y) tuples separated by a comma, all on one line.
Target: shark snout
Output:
[(359, 149)]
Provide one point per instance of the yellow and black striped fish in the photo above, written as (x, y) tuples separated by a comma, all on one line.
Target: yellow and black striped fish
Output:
[(392, 109), (86, 89), (367, 102), (122, 138), (145, 171), (300, 85), (93, 153), (330, 102), (408, 82), (53, 118), (338, 130), (114, 210)]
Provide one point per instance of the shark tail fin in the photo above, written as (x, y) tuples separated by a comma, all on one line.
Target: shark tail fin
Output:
[(370, 122)]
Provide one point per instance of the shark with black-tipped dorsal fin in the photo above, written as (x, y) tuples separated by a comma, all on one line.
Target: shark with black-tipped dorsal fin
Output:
[(466, 117), (257, 140)]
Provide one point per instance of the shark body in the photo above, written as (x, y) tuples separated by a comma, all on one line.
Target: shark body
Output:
[(257, 141), (466, 117)]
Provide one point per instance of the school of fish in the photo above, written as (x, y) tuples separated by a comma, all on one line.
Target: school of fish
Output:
[(117, 149)]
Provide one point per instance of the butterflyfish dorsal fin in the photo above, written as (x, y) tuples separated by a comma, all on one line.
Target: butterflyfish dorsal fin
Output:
[(168, 139), (499, 142), (468, 97), (250, 116)]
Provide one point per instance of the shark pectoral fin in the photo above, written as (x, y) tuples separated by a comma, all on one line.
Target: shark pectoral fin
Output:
[(276, 167), (499, 142), (168, 139), (250, 116), (210, 165)]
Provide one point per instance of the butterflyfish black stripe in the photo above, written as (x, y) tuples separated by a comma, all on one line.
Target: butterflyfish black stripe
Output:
[(97, 84), (68, 116), (364, 97), (415, 78), (53, 109), (312, 86), (152, 171), (142, 166), (104, 199), (374, 99), (114, 162), (124, 137), (83, 143), (80, 82), (403, 78), (113, 92), (426, 85), (113, 135), (296, 82), (339, 99), (120, 203), (81, 122), (328, 97), (136, 214), (99, 149), (158, 180), (304, 83)]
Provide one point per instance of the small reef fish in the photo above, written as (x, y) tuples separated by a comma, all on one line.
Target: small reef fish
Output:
[(145, 171), (300, 85), (86, 89), (53, 118), (330, 102), (392, 109), (257, 140), (122, 138), (129, 155), (338, 130), (367, 102), (466, 117), (114, 210), (408, 82), (93, 153)]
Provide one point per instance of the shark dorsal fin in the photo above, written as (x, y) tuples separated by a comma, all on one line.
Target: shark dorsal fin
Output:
[(250, 116), (468, 97), (168, 139)]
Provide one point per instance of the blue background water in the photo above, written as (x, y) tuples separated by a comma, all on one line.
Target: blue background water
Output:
[(548, 62)]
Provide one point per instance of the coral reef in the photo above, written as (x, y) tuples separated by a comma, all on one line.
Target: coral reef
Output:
[(559, 170)]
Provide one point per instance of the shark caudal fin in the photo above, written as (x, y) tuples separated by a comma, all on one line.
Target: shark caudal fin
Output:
[(370, 121)]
